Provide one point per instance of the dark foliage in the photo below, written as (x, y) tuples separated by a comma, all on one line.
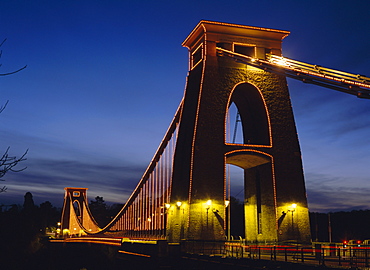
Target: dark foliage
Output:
[(103, 213), (98, 209), (353, 225), (21, 230)]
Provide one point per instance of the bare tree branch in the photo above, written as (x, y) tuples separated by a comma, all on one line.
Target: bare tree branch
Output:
[(1, 44), (9, 73), (4, 106), (12, 72), (7, 163)]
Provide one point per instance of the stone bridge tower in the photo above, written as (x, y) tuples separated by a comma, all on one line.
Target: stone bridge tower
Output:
[(275, 198), (76, 216)]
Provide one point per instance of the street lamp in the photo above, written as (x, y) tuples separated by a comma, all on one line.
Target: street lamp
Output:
[(292, 209), (58, 230), (227, 203), (208, 205)]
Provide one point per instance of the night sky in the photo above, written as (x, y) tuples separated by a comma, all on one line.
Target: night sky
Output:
[(104, 79)]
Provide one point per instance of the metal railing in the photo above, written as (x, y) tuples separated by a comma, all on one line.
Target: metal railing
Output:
[(333, 255)]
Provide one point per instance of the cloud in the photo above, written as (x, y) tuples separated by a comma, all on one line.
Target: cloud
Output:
[(333, 201), (46, 180), (327, 193)]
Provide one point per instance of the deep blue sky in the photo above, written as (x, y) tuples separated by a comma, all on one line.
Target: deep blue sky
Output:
[(104, 79)]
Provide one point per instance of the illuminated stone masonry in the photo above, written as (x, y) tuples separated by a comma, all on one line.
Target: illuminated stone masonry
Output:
[(270, 154), (183, 194)]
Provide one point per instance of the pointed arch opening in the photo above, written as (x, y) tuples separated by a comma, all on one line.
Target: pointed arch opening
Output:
[(247, 117), (77, 208)]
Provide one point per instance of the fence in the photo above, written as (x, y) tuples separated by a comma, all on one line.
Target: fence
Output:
[(317, 253)]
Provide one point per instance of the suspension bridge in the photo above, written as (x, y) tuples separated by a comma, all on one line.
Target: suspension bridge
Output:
[(184, 194)]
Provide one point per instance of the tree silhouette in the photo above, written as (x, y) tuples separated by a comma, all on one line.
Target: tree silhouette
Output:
[(7, 163), (99, 210)]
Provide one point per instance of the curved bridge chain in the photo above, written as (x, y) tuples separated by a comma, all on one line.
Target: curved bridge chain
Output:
[(354, 84)]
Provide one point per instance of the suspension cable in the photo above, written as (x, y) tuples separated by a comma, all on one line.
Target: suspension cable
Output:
[(354, 84)]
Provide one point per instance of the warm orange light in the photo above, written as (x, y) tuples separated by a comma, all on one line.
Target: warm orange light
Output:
[(278, 60)]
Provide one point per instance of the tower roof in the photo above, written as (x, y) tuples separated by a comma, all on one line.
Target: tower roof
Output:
[(218, 31)]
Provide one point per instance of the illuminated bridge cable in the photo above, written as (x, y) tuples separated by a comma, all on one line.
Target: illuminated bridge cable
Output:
[(354, 84), (237, 120), (144, 215)]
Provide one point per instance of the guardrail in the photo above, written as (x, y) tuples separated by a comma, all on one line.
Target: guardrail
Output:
[(334, 255), (329, 254)]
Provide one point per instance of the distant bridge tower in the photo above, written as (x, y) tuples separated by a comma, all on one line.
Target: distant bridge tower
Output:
[(76, 216), (275, 197)]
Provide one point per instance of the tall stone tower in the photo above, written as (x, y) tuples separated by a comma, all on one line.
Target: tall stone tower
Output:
[(76, 216), (275, 198)]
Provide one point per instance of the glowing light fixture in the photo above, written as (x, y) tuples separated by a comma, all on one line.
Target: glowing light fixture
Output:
[(227, 202), (179, 204), (167, 205), (208, 203), (279, 60), (292, 207)]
